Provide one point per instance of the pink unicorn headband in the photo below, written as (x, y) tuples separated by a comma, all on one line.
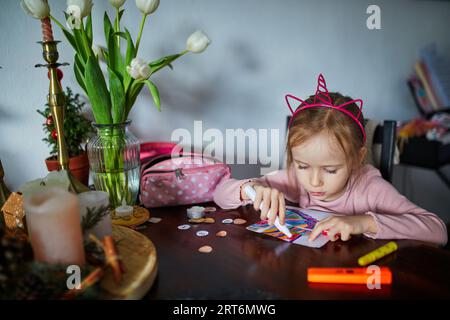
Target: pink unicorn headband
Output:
[(323, 99)]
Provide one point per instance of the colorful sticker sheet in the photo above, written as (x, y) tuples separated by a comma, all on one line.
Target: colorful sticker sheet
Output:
[(297, 220)]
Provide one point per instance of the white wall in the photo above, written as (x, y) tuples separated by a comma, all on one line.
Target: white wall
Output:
[(261, 49)]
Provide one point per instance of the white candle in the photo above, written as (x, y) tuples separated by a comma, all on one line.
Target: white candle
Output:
[(95, 200), (53, 219), (124, 210)]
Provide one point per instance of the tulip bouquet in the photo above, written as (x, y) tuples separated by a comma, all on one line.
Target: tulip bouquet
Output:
[(126, 73)]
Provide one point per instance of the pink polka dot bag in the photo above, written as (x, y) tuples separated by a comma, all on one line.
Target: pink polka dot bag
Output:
[(188, 179)]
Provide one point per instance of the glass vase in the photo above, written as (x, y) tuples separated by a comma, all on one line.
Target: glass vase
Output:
[(114, 162)]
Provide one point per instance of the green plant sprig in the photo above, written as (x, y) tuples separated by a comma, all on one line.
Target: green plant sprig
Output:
[(76, 127), (94, 216)]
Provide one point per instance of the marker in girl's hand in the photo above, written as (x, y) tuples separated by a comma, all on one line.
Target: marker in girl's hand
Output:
[(251, 193)]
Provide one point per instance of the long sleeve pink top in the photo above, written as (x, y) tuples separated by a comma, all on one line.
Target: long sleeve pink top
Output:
[(395, 216)]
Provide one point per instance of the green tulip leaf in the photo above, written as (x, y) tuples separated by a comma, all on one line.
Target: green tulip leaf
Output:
[(131, 51), (107, 26), (78, 68), (163, 62), (132, 93), (70, 38), (117, 96), (155, 93), (97, 91), (116, 62), (88, 29)]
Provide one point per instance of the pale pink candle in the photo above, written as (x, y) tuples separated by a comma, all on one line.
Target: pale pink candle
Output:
[(53, 219)]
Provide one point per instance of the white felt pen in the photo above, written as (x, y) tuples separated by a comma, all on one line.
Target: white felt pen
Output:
[(251, 193)]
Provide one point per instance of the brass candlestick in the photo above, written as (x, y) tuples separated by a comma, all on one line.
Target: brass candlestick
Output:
[(4, 191), (56, 101), (56, 98)]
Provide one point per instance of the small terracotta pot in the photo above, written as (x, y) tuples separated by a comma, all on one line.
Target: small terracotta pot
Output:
[(79, 167)]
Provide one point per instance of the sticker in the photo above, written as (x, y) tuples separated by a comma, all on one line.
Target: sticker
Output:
[(239, 221), (154, 220), (205, 249), (201, 220), (184, 227), (202, 233), (221, 234), (227, 221)]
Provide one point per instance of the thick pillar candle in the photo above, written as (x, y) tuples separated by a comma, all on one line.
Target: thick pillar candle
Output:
[(53, 219)]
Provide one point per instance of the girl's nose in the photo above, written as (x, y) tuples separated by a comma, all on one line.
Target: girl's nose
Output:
[(315, 179)]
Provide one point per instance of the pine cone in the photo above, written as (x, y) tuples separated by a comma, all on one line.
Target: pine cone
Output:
[(13, 259)]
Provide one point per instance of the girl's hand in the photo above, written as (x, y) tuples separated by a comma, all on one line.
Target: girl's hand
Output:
[(272, 200), (345, 225)]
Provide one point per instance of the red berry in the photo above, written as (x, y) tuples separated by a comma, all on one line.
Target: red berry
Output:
[(54, 134), (59, 74), (49, 121)]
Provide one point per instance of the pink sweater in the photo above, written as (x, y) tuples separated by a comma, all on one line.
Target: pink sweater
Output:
[(396, 217)]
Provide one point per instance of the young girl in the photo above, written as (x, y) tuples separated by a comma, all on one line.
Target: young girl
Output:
[(326, 171)]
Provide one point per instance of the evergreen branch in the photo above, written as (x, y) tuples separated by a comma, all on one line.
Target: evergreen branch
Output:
[(77, 128), (94, 216)]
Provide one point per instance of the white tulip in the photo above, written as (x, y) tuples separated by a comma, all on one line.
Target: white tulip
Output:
[(117, 3), (197, 42), (73, 22), (38, 9), (98, 51), (136, 62), (139, 69), (147, 6), (133, 72), (144, 71), (84, 5), (74, 11)]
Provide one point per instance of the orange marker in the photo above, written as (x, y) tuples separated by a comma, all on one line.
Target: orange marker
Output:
[(348, 275)]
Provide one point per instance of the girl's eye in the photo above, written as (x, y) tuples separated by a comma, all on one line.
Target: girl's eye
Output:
[(302, 167), (331, 171)]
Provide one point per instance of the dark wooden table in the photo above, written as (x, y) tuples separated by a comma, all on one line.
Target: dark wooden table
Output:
[(247, 265)]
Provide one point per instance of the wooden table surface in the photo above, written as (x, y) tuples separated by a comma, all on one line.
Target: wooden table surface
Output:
[(247, 265)]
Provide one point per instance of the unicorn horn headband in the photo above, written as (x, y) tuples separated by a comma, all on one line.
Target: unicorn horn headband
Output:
[(323, 100)]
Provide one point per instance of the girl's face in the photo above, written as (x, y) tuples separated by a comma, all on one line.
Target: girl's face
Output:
[(321, 167)]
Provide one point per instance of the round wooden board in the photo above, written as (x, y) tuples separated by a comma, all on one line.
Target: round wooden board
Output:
[(141, 265)]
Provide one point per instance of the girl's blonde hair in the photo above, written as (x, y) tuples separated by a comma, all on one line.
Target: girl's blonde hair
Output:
[(311, 121)]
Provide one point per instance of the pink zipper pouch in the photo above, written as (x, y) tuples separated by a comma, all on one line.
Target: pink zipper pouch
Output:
[(189, 179), (150, 150)]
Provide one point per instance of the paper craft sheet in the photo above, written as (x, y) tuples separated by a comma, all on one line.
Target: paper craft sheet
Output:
[(296, 219)]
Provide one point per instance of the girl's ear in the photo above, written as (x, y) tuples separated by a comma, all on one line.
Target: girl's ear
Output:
[(362, 154)]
